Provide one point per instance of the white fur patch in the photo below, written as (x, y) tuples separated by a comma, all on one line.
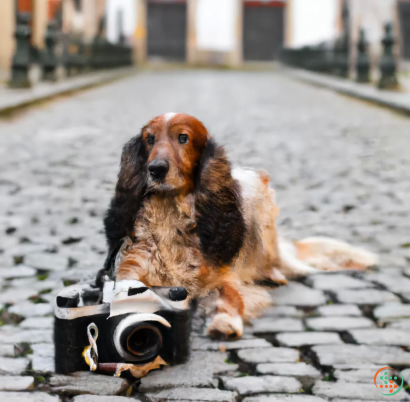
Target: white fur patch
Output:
[(169, 116), (290, 261), (328, 246), (248, 179)]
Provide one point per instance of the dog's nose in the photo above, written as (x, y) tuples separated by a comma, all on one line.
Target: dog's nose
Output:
[(158, 168)]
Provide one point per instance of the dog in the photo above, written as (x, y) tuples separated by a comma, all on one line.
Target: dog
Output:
[(183, 216)]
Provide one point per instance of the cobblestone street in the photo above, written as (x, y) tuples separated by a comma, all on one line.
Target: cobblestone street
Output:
[(340, 167)]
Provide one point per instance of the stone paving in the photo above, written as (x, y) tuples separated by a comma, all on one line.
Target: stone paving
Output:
[(340, 168), (396, 100), (11, 98)]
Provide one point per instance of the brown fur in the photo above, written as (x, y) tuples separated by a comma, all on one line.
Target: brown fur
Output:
[(164, 247), (202, 227)]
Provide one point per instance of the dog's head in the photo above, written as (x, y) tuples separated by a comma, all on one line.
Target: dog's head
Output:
[(174, 154), (169, 149)]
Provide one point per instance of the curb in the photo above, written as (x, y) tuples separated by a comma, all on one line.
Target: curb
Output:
[(15, 99), (397, 101)]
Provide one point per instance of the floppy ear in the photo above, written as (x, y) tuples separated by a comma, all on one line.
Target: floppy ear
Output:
[(129, 192), (220, 222)]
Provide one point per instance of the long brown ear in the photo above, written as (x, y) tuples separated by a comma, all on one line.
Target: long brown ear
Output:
[(220, 223), (129, 192)]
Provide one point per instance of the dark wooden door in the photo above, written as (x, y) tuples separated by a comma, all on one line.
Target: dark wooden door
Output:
[(167, 25), (404, 15), (263, 25)]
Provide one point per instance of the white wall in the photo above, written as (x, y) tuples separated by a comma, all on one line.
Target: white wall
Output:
[(313, 21), (372, 16), (216, 25), (128, 8)]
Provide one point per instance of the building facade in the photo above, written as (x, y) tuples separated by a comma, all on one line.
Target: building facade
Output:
[(79, 18), (208, 32), (225, 32)]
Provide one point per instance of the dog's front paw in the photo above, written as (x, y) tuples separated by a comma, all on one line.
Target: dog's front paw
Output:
[(225, 326)]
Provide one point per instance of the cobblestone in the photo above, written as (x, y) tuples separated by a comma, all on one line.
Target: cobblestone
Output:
[(351, 390), (7, 350), (338, 323), (381, 336), (59, 166), (26, 335), (28, 309), (297, 294), (392, 310), (42, 358), (406, 296), (265, 384), (396, 283), (283, 398), (206, 344), (297, 339), (339, 310), (330, 355), (88, 383), (364, 375), (283, 311), (99, 398), (305, 373), (355, 400), (365, 296), (47, 261), (12, 296), (269, 355), (27, 397), (9, 365), (16, 383), (20, 271), (267, 325), (198, 372), (193, 394), (38, 323), (337, 281), (399, 324)]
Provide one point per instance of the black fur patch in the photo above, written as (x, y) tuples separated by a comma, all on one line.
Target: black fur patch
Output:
[(129, 192), (220, 223)]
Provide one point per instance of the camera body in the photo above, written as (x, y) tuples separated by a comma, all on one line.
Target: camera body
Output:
[(135, 324)]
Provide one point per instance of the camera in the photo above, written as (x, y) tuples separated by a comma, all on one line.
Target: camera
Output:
[(124, 322)]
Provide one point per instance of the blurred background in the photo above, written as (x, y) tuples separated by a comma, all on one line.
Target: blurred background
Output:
[(293, 87), (50, 39)]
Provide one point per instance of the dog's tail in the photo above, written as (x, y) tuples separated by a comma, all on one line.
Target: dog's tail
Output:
[(315, 254)]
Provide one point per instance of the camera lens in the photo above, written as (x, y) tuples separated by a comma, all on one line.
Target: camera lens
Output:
[(139, 337), (145, 340)]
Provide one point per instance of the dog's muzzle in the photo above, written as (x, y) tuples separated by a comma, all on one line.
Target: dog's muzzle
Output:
[(158, 168)]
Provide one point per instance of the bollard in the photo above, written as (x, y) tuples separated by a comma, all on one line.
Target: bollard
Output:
[(343, 62), (363, 60), (388, 79), (342, 51), (21, 61), (335, 57), (49, 58)]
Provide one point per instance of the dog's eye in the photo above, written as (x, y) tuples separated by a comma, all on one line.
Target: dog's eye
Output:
[(150, 139), (183, 138)]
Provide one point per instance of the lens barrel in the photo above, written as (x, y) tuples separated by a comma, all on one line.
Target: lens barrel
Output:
[(141, 341)]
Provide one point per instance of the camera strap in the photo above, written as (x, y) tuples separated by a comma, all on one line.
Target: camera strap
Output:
[(90, 353)]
